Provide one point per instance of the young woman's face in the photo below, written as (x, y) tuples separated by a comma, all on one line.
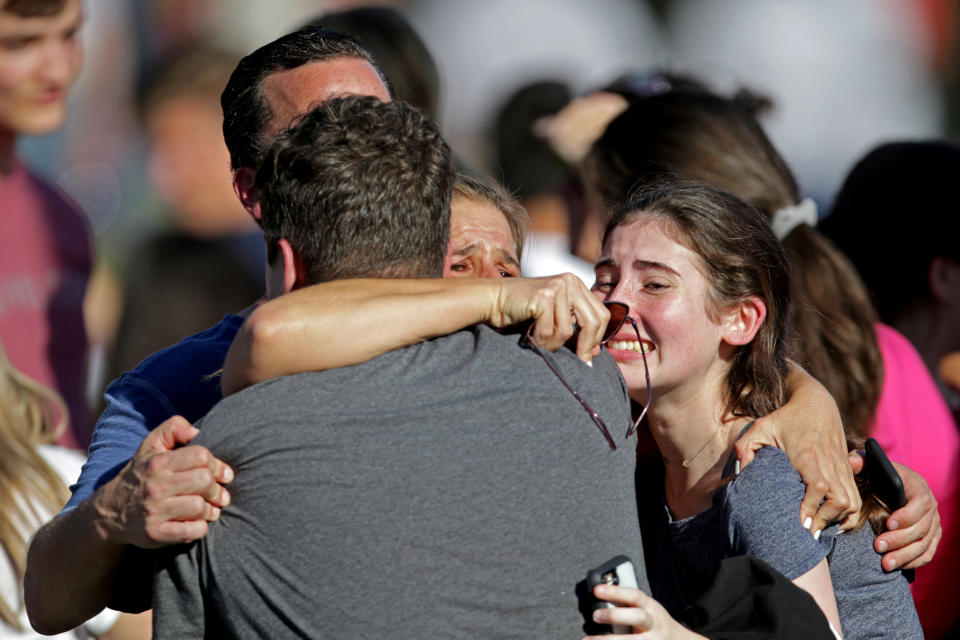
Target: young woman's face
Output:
[(667, 289)]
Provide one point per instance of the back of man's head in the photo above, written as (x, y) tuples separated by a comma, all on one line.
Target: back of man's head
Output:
[(359, 188), (246, 112)]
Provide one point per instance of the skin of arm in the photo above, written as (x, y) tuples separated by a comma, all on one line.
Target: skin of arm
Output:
[(164, 495), (345, 322), (809, 430), (130, 626), (817, 583)]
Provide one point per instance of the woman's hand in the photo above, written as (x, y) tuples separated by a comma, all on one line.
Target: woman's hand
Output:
[(809, 430), (555, 303), (647, 617)]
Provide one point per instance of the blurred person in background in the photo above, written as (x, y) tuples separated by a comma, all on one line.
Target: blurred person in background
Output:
[(92, 553), (898, 200), (696, 135), (543, 182), (34, 476), (895, 218), (210, 262), (844, 75), (45, 249)]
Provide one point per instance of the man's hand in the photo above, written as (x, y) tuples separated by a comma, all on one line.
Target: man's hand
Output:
[(554, 302), (809, 430), (165, 495), (914, 530)]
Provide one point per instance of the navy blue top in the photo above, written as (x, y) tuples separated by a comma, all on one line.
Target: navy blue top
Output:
[(174, 381)]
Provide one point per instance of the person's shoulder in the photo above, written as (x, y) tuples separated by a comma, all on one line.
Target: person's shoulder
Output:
[(61, 205), (769, 477), (769, 461), (182, 378), (761, 511), (894, 344)]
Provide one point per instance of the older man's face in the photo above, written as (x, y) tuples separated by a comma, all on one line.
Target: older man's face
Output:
[(481, 245)]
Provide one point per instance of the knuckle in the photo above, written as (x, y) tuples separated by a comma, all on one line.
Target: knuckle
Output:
[(202, 456), (155, 464), (196, 506), (203, 477), (153, 491), (820, 486), (843, 503)]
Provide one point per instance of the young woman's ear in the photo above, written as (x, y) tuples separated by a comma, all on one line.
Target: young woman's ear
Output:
[(742, 322)]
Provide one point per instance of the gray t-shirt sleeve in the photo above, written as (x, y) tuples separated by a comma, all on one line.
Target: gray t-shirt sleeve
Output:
[(762, 516)]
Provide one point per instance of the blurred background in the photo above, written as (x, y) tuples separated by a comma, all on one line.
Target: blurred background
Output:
[(143, 155)]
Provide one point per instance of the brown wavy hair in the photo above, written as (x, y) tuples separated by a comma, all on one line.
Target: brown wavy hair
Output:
[(29, 489)]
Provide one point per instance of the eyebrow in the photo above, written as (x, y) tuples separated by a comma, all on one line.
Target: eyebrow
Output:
[(639, 265), (504, 255)]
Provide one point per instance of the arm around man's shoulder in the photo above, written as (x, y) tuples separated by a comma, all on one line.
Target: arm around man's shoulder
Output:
[(164, 495)]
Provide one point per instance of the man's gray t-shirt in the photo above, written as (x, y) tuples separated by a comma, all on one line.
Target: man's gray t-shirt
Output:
[(454, 488)]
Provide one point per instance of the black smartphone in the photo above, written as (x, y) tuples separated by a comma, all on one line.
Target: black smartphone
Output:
[(885, 483), (618, 571)]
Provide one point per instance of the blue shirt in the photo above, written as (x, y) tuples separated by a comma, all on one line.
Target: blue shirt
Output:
[(174, 381)]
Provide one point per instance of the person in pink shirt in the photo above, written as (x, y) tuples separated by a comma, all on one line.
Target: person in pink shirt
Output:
[(45, 247), (915, 427)]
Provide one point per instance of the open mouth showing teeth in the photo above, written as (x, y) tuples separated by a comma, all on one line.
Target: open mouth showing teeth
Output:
[(630, 345)]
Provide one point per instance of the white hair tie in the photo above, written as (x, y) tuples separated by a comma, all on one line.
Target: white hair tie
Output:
[(789, 218)]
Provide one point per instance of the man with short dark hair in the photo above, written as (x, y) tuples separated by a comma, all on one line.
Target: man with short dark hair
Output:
[(281, 81), (454, 486), (140, 488)]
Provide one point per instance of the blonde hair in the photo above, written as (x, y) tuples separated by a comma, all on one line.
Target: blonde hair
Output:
[(30, 415)]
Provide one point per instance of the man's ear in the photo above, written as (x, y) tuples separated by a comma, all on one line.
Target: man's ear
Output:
[(943, 278), (244, 185), (294, 274), (741, 323)]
